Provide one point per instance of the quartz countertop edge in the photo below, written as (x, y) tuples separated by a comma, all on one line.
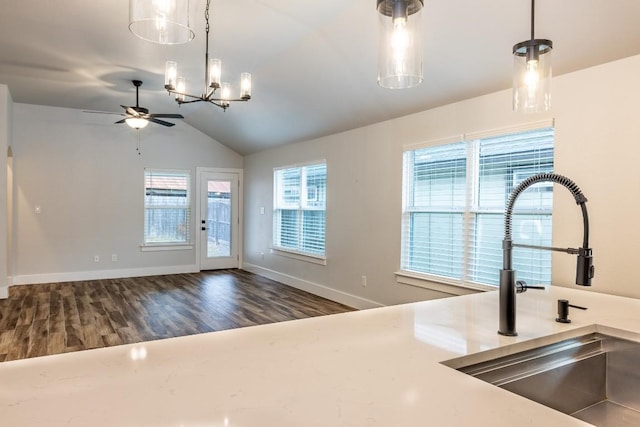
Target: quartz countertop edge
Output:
[(376, 367)]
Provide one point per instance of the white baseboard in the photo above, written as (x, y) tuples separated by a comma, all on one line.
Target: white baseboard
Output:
[(314, 288), (4, 292), (32, 279)]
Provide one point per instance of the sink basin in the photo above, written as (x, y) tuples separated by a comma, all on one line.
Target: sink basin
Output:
[(594, 377)]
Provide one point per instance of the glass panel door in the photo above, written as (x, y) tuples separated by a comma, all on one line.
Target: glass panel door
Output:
[(218, 221)]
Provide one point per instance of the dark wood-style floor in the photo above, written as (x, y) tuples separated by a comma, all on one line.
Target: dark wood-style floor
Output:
[(38, 320)]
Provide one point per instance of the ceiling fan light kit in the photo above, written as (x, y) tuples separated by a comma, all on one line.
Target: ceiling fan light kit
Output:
[(175, 84), (400, 54), (532, 73), (161, 21), (136, 122)]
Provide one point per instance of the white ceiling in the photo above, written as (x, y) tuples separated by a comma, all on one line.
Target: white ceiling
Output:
[(313, 63)]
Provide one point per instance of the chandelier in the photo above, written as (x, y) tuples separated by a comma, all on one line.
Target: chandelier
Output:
[(176, 85)]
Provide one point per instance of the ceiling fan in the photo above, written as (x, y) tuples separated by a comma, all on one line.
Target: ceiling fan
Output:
[(138, 117)]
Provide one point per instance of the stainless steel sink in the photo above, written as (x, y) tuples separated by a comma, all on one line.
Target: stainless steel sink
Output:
[(594, 377)]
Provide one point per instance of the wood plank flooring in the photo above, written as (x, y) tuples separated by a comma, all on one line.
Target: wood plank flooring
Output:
[(38, 320)]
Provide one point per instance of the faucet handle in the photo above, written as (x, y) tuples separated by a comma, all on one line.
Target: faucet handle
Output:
[(521, 286)]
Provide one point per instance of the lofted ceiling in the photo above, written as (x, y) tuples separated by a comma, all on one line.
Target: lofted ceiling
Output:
[(313, 63)]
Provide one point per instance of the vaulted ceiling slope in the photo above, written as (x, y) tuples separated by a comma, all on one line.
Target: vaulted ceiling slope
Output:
[(313, 63)]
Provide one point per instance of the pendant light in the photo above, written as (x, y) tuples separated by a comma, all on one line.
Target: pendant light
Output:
[(161, 21), (400, 56), (532, 73)]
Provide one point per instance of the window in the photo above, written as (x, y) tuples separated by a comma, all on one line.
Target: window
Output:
[(454, 196), (167, 207), (300, 195)]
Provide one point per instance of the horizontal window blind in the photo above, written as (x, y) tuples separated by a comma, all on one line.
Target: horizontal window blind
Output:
[(433, 235), (454, 197), (299, 208), (167, 206), (504, 162)]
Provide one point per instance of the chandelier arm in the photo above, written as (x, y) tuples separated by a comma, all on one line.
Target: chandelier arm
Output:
[(224, 107), (189, 102), (209, 94), (226, 100), (199, 99), (196, 98), (207, 98)]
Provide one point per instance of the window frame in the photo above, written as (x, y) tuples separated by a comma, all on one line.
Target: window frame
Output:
[(462, 285), (186, 244), (302, 193)]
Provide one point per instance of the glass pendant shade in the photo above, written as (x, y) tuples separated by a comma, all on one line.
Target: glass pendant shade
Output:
[(532, 76), (400, 55), (225, 93), (215, 73), (245, 86), (161, 21), (181, 88), (170, 75), (136, 122)]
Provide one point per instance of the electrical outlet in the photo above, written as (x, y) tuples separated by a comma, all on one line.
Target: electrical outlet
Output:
[(363, 281), (114, 257), (261, 210), (261, 255), (96, 258)]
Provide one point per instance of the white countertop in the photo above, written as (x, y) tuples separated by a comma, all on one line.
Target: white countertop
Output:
[(376, 367)]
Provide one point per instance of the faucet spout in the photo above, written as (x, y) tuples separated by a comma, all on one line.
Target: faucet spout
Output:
[(508, 288)]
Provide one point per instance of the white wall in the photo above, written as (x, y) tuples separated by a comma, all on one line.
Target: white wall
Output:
[(597, 121), (84, 173), (6, 107)]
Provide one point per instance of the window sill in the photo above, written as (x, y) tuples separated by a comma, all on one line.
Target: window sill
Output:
[(314, 259), (166, 247), (440, 284)]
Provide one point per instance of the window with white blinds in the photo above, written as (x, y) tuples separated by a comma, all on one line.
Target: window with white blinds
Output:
[(300, 195), (167, 207), (454, 196)]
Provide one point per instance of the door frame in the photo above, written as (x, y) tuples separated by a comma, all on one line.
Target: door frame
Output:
[(200, 171)]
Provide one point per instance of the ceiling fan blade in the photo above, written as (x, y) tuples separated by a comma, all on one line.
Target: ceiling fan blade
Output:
[(167, 116), (161, 122), (102, 112), (120, 121), (130, 111)]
